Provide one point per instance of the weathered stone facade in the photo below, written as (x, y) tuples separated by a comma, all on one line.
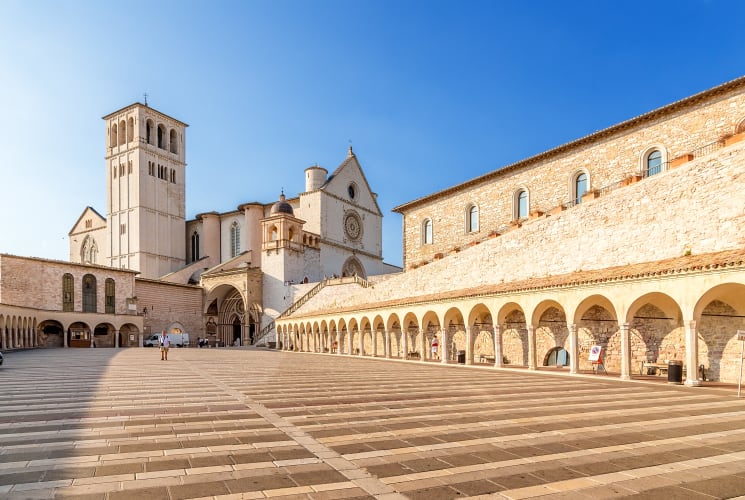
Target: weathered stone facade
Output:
[(609, 157), (649, 267)]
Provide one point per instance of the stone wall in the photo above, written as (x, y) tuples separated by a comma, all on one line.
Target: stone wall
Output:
[(696, 208), (169, 303), (607, 160), (37, 283)]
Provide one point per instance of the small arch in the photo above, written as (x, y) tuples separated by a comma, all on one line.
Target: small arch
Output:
[(161, 136), (520, 204), (653, 160), (114, 136), (130, 129), (353, 267), (122, 132), (235, 239), (427, 232), (68, 292), (740, 127), (472, 218), (557, 356), (580, 184), (195, 246), (173, 141), (89, 293), (110, 296), (273, 232), (149, 128)]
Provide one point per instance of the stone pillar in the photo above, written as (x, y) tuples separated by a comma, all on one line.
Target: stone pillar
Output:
[(116, 339), (469, 345), (573, 350), (93, 339), (444, 347), (691, 361), (387, 343), (423, 344), (404, 344), (498, 358), (531, 348), (625, 351), (374, 336), (361, 346)]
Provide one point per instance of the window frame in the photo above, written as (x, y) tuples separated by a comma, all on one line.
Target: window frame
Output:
[(235, 237), (110, 296), (517, 214), (68, 292), (473, 218), (427, 231)]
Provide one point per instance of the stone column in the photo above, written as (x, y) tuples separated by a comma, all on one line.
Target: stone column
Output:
[(531, 348), (116, 339), (361, 346), (404, 344), (93, 338), (573, 350), (691, 356), (374, 336), (425, 348), (625, 351), (469, 345), (387, 343), (498, 358), (444, 347)]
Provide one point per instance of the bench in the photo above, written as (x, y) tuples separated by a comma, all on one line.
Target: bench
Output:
[(486, 359), (414, 355), (656, 369)]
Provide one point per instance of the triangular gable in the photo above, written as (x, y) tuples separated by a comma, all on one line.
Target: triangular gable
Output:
[(351, 171), (98, 221)]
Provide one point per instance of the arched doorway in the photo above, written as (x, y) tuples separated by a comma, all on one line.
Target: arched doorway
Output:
[(236, 331)]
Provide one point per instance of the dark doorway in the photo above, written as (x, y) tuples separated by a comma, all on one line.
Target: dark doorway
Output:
[(236, 332)]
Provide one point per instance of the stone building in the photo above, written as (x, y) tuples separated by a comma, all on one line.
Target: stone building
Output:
[(249, 264), (631, 239), (47, 303)]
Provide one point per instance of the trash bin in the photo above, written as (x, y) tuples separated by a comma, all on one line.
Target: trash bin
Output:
[(674, 371), (462, 357)]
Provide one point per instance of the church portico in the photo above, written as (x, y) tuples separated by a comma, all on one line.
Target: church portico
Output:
[(674, 316)]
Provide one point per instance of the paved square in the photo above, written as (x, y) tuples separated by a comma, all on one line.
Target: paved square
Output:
[(238, 423)]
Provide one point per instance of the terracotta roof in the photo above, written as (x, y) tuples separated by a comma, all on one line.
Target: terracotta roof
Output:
[(678, 265), (625, 125)]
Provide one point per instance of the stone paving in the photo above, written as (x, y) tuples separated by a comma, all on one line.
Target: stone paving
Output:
[(243, 423)]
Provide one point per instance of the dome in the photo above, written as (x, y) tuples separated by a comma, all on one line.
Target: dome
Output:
[(282, 207)]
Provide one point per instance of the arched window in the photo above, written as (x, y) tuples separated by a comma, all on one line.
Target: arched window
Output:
[(580, 186), (273, 234), (113, 136), (195, 247), (110, 291), (130, 129), (89, 293), (122, 132), (149, 131), (161, 137), (235, 239), (521, 204), (89, 251), (427, 232), (68, 292), (472, 219), (654, 163), (173, 141)]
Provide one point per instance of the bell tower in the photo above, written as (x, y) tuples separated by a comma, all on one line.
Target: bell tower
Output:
[(145, 187)]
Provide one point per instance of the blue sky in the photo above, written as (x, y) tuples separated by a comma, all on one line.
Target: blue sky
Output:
[(430, 93)]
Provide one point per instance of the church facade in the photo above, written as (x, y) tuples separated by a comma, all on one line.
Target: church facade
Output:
[(251, 263), (629, 242)]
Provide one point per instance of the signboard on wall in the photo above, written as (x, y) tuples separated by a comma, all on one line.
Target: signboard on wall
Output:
[(595, 352)]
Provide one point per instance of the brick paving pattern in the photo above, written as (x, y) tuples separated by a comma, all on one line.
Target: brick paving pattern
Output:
[(239, 423)]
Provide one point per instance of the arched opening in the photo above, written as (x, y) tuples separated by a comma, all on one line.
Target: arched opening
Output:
[(122, 132), (353, 267), (130, 129), (161, 137), (149, 131), (89, 293), (558, 356), (114, 137), (237, 331), (521, 204), (172, 141)]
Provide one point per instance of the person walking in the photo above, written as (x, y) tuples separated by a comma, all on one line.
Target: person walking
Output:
[(165, 343)]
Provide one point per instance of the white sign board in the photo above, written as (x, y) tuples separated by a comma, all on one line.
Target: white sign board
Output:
[(595, 352)]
